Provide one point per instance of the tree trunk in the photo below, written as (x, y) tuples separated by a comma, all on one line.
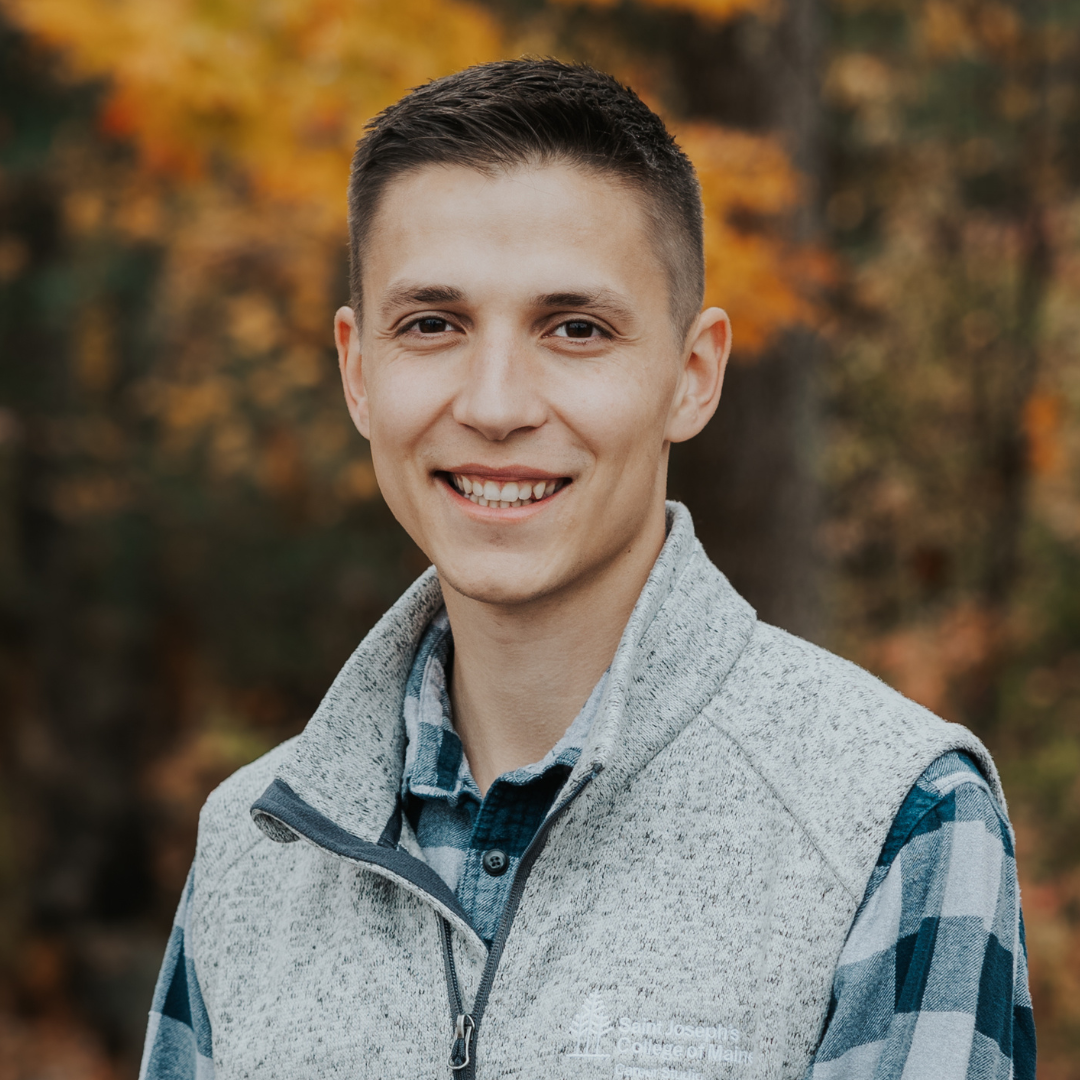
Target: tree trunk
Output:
[(751, 477)]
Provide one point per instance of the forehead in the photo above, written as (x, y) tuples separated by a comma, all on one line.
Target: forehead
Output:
[(528, 230)]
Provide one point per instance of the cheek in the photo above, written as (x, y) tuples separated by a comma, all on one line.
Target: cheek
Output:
[(402, 406), (621, 417)]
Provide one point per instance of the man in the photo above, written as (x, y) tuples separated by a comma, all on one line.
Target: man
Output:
[(570, 810)]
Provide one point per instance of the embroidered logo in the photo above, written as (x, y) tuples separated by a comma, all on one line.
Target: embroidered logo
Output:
[(590, 1027), (648, 1049)]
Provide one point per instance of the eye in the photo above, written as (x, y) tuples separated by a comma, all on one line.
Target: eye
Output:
[(429, 324), (580, 329)]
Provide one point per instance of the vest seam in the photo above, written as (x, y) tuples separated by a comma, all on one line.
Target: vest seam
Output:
[(212, 889), (840, 880), (703, 718)]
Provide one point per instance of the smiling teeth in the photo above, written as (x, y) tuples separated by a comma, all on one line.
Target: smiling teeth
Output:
[(504, 496)]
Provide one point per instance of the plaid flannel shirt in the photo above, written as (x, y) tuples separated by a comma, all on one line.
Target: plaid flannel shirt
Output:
[(179, 1043), (931, 983)]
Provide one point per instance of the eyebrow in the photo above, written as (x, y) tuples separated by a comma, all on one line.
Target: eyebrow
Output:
[(406, 295), (603, 301)]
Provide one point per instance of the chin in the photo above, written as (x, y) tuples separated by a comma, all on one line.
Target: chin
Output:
[(487, 585)]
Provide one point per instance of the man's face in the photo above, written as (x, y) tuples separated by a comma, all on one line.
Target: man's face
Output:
[(518, 375)]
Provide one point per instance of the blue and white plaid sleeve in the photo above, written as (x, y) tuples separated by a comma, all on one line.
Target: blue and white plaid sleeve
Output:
[(178, 1042), (932, 982)]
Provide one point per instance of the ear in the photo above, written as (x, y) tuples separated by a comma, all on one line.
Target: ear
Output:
[(702, 376), (350, 362)]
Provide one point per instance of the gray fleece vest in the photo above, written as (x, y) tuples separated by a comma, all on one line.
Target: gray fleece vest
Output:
[(680, 913)]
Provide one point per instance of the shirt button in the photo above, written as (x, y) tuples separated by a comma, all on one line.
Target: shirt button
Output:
[(495, 861)]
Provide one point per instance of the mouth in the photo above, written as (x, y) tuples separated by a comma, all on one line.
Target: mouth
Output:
[(505, 492)]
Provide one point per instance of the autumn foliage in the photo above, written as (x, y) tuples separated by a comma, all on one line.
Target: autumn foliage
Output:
[(274, 96), (191, 534)]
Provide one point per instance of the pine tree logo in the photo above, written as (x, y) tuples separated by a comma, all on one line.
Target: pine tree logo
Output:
[(589, 1028)]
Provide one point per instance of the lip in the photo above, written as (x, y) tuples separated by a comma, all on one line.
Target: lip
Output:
[(492, 514), (505, 472)]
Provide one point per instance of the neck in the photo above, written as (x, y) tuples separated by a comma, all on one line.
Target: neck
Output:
[(521, 673)]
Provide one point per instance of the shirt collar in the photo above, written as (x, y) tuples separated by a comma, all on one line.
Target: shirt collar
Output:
[(435, 764)]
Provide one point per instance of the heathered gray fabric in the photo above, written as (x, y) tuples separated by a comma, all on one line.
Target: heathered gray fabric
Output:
[(670, 893)]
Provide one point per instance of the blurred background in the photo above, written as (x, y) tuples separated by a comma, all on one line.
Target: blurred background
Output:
[(192, 539)]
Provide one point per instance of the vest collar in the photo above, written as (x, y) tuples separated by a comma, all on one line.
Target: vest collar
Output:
[(684, 635)]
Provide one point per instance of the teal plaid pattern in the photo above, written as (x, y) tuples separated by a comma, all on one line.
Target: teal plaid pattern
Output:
[(178, 1043), (932, 981)]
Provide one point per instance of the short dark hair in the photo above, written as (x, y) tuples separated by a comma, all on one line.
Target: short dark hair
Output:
[(519, 112)]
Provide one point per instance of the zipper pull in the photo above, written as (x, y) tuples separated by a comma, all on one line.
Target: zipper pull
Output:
[(459, 1048)]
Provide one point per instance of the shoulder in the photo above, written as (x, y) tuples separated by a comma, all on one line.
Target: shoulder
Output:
[(823, 716), (226, 831), (785, 670), (839, 747)]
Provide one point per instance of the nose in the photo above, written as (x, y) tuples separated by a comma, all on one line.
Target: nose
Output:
[(499, 394)]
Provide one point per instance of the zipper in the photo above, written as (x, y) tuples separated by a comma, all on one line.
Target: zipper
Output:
[(463, 1023), (466, 1026)]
